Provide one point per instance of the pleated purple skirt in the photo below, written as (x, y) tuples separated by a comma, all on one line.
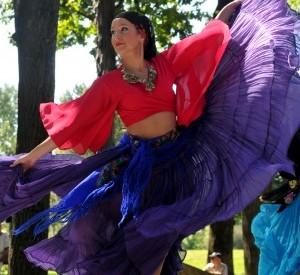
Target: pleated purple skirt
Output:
[(134, 219)]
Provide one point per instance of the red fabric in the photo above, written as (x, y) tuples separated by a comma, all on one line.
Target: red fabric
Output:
[(194, 61), (85, 123), (134, 102)]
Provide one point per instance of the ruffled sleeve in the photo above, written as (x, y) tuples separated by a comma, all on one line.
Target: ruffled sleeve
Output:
[(194, 61), (83, 123)]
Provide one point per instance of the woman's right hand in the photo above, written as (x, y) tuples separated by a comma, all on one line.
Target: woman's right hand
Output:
[(27, 161)]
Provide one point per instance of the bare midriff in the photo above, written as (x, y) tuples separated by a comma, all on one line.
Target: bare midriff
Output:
[(154, 125)]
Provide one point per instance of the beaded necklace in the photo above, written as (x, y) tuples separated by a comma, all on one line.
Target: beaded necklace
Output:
[(131, 77)]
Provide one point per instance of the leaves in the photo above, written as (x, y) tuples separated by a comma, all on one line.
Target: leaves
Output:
[(77, 91), (76, 23), (8, 120), (171, 18), (295, 4), (6, 11)]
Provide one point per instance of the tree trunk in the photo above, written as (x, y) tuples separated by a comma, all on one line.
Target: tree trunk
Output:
[(105, 54), (36, 29), (251, 252), (221, 233), (221, 240)]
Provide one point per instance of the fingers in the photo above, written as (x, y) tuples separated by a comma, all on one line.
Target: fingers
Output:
[(25, 161), (15, 163), (18, 162)]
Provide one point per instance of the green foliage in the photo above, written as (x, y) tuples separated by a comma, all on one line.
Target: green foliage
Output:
[(238, 219), (198, 259), (171, 18), (238, 242), (76, 18), (119, 128), (199, 240), (77, 91), (6, 11), (55, 227), (295, 4), (76, 23), (8, 120)]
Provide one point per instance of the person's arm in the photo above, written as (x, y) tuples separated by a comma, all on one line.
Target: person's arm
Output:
[(226, 13), (206, 268), (28, 160), (225, 270), (85, 122), (211, 41)]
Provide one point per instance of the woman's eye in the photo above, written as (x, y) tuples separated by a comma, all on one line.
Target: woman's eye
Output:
[(122, 29)]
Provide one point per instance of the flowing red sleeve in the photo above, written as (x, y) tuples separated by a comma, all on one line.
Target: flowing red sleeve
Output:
[(83, 123), (194, 61)]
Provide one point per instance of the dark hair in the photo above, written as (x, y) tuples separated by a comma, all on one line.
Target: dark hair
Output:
[(142, 22)]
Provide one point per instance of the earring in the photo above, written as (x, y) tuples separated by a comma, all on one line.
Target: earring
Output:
[(142, 49)]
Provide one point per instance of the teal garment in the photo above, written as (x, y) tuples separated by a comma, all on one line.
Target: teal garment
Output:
[(277, 236)]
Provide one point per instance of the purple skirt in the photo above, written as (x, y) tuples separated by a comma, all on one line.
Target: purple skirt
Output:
[(128, 208)]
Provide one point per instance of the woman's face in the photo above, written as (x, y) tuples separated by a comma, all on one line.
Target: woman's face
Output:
[(125, 38)]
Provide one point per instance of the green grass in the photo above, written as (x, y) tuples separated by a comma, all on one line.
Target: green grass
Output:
[(197, 258)]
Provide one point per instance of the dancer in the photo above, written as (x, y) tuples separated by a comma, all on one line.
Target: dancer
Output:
[(277, 227), (187, 159), (277, 234)]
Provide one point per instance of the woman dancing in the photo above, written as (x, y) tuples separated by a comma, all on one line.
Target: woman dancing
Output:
[(188, 158)]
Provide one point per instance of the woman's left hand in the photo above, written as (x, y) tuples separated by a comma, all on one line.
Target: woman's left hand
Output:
[(226, 13)]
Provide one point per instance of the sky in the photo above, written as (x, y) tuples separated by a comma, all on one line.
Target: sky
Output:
[(74, 65)]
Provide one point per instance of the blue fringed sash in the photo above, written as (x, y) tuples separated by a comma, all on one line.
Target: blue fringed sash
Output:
[(129, 173)]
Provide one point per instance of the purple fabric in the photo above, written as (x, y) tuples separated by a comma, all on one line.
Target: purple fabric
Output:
[(57, 173), (217, 166)]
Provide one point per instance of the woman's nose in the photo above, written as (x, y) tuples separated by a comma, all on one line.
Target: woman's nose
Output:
[(116, 34)]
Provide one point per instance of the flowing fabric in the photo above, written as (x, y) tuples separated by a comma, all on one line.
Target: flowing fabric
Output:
[(212, 170), (277, 236)]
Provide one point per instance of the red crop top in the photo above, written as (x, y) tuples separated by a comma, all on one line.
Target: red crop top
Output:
[(85, 123)]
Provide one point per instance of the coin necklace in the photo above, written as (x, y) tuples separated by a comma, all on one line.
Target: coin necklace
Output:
[(131, 77)]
